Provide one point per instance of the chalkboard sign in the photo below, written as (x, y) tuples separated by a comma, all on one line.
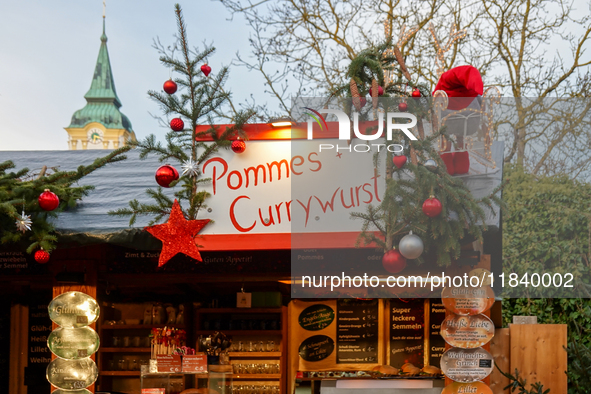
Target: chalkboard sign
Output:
[(316, 348), (357, 331), (316, 317), (436, 341), (407, 325)]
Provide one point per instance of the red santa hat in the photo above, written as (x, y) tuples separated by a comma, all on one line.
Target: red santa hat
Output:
[(461, 84)]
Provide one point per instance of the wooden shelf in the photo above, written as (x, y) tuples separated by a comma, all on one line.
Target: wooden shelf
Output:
[(256, 376), (140, 326), (255, 354), (125, 349), (119, 373), (238, 310), (240, 332)]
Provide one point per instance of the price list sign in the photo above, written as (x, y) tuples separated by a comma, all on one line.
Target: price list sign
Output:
[(436, 341), (407, 325), (357, 331)]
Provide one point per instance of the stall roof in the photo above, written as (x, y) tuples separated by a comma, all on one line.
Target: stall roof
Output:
[(117, 183)]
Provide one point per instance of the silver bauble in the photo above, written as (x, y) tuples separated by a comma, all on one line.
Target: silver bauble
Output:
[(430, 164), (411, 246)]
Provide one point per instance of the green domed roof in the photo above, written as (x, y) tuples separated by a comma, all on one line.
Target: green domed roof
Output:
[(102, 101)]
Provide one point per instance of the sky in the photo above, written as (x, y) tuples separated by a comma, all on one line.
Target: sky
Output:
[(48, 50)]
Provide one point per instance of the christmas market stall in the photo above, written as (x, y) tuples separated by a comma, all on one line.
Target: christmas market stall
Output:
[(306, 254)]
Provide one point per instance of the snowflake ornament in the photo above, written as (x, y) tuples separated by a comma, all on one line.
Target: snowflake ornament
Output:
[(190, 167), (23, 223)]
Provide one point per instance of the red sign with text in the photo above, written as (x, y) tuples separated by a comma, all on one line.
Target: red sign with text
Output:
[(168, 363), (195, 363)]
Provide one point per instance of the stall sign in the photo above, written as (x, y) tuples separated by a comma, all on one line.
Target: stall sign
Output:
[(407, 332), (465, 388), (281, 186), (73, 343), (467, 332), (169, 363), (466, 365), (73, 309), (72, 374), (316, 317), (468, 300), (195, 363), (316, 348)]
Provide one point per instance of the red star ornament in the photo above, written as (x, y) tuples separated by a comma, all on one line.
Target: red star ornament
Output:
[(177, 235)]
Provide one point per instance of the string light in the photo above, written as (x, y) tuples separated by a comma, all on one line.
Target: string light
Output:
[(454, 35), (403, 38)]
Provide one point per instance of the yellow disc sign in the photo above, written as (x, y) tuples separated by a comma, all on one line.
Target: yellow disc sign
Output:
[(463, 388), (467, 332)]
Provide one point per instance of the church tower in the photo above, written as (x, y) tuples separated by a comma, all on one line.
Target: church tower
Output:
[(100, 124)]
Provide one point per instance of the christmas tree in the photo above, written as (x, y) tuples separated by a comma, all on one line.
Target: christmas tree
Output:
[(425, 210), (30, 201), (200, 100)]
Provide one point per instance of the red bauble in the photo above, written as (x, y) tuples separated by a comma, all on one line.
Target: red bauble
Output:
[(166, 174), (461, 162), (380, 91), (399, 161), (177, 124), (170, 86), (48, 201), (393, 261), (238, 146), (205, 69), (41, 256), (402, 107), (432, 207), (416, 93)]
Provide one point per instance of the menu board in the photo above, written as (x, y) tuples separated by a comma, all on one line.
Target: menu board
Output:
[(357, 331), (407, 328), (436, 341), (39, 355)]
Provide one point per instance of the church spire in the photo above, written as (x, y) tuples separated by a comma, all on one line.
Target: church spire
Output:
[(103, 85), (101, 118)]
